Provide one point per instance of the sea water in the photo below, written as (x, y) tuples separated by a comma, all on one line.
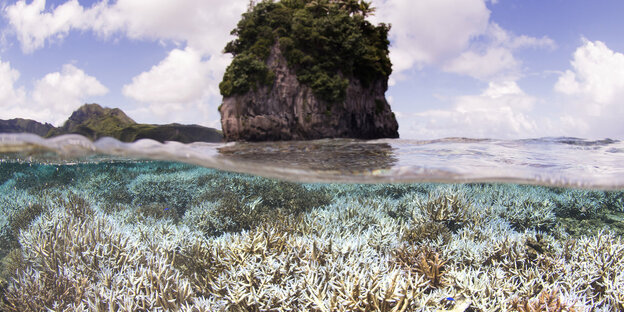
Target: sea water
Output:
[(329, 225)]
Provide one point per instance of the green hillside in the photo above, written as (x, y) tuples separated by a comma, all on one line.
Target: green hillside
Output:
[(94, 122), (19, 125)]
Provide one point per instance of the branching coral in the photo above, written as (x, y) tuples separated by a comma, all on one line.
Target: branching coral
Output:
[(241, 203), (595, 268), (201, 263), (422, 232), (70, 260), (22, 219), (75, 205), (528, 213), (291, 247), (156, 211), (424, 261), (175, 190), (546, 301), (451, 209), (580, 204)]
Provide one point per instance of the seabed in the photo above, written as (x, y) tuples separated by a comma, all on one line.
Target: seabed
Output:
[(158, 236)]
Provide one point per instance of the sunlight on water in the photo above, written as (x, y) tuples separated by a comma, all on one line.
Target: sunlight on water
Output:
[(140, 227)]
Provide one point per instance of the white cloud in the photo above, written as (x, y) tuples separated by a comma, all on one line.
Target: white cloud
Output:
[(501, 37), (182, 85), (33, 26), (64, 91), (429, 31), (203, 25), (185, 81), (590, 106), (485, 65), (594, 90), (500, 111), (53, 98), (180, 77), (492, 58), (525, 41), (458, 36), (9, 95), (597, 74), (14, 99)]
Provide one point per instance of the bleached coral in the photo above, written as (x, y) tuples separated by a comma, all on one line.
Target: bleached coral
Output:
[(421, 247), (174, 189), (595, 270)]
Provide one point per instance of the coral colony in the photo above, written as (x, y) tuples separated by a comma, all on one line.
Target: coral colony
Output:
[(153, 236)]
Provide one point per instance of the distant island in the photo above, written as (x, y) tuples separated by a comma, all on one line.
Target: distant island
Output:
[(94, 121), (307, 69)]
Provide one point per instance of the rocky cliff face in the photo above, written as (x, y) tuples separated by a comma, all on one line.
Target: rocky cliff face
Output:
[(289, 110)]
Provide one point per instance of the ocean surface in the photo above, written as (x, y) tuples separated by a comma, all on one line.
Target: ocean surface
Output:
[(453, 224)]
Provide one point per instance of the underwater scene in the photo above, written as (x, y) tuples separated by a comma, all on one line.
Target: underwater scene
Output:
[(337, 226)]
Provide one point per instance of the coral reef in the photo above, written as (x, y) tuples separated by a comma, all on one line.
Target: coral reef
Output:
[(182, 238), (546, 301), (424, 261), (233, 203), (170, 189)]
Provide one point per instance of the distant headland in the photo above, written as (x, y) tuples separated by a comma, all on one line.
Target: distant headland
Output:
[(94, 121), (307, 70)]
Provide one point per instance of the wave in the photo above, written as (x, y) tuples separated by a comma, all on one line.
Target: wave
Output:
[(564, 162)]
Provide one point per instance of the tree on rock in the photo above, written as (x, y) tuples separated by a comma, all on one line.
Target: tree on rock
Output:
[(334, 53)]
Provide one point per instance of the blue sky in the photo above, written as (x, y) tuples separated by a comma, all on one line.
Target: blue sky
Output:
[(472, 68)]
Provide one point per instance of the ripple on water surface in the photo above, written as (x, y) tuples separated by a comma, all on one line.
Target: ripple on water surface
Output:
[(548, 161)]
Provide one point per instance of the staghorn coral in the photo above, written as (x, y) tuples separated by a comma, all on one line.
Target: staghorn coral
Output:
[(445, 207), (528, 213), (594, 269), (75, 205), (22, 218), (175, 190), (11, 265), (242, 203), (423, 260), (423, 232), (547, 301), (340, 255), (156, 211), (109, 184), (72, 260), (42, 176), (614, 201), (580, 204), (437, 216), (201, 263)]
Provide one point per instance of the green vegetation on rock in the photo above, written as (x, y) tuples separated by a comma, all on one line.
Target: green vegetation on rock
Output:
[(94, 122), (19, 125), (326, 42)]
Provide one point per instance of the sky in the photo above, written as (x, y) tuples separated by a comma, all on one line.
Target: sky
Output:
[(503, 69)]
